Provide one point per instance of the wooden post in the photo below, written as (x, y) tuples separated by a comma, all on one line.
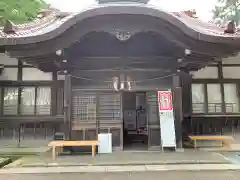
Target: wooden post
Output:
[(19, 135), (186, 80), (195, 144), (53, 153), (178, 110), (93, 150), (67, 106), (54, 95), (122, 126)]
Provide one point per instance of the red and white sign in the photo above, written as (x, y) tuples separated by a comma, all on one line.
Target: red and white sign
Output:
[(166, 117), (165, 100)]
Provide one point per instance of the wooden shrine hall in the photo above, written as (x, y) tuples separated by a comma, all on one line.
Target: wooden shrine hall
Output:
[(99, 70)]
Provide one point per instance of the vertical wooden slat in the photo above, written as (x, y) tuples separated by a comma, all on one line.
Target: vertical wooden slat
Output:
[(153, 119), (220, 75), (19, 100), (186, 81), (45, 131), (98, 125), (96, 106), (35, 105), (122, 127), (60, 99), (70, 106), (19, 78), (177, 104), (20, 71), (205, 98), (34, 130), (54, 94), (84, 134), (67, 106), (1, 100), (238, 94)]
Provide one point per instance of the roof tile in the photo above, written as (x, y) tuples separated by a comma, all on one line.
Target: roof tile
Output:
[(54, 19)]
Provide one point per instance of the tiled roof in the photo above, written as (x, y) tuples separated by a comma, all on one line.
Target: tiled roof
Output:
[(209, 28), (54, 20), (37, 26)]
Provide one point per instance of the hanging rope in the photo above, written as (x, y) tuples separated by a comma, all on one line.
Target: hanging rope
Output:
[(88, 79), (138, 81), (161, 77)]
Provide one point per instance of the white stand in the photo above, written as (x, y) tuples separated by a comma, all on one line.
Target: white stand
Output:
[(105, 143)]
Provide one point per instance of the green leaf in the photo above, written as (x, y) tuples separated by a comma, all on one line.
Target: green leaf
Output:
[(20, 11), (226, 11)]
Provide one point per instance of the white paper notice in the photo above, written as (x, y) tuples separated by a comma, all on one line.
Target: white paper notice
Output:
[(167, 126)]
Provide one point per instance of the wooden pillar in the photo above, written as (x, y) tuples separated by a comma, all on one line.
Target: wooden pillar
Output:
[(220, 76), (67, 106), (54, 95), (186, 84), (178, 110)]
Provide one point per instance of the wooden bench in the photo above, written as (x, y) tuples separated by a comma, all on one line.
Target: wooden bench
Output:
[(61, 144), (226, 140)]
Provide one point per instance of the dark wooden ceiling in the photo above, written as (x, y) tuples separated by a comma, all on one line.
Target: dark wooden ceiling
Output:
[(92, 45), (98, 51)]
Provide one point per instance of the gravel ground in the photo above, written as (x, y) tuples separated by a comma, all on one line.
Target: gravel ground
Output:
[(169, 175)]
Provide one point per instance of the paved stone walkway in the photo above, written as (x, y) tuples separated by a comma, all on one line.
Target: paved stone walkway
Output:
[(104, 169), (124, 158), (170, 175), (22, 151)]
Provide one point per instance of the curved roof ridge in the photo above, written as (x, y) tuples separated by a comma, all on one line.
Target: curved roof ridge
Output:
[(204, 27), (36, 28), (56, 14), (52, 15), (57, 19), (36, 22)]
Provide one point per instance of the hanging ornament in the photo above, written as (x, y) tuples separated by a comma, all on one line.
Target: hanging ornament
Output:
[(115, 83), (122, 86)]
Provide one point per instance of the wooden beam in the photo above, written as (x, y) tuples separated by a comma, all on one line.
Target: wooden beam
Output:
[(51, 62), (178, 110), (122, 60), (186, 81), (54, 95), (154, 58), (194, 58), (126, 70), (16, 120), (67, 106)]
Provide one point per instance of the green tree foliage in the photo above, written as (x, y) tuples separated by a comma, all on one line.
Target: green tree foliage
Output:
[(227, 10), (19, 11)]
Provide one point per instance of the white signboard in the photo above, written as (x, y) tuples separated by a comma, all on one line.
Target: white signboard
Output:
[(167, 126)]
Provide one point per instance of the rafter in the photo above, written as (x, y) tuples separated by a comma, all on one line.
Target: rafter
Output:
[(113, 63)]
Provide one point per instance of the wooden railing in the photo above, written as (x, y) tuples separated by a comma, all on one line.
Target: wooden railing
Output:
[(198, 108), (214, 108)]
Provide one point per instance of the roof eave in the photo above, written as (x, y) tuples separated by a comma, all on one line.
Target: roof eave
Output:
[(186, 24)]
